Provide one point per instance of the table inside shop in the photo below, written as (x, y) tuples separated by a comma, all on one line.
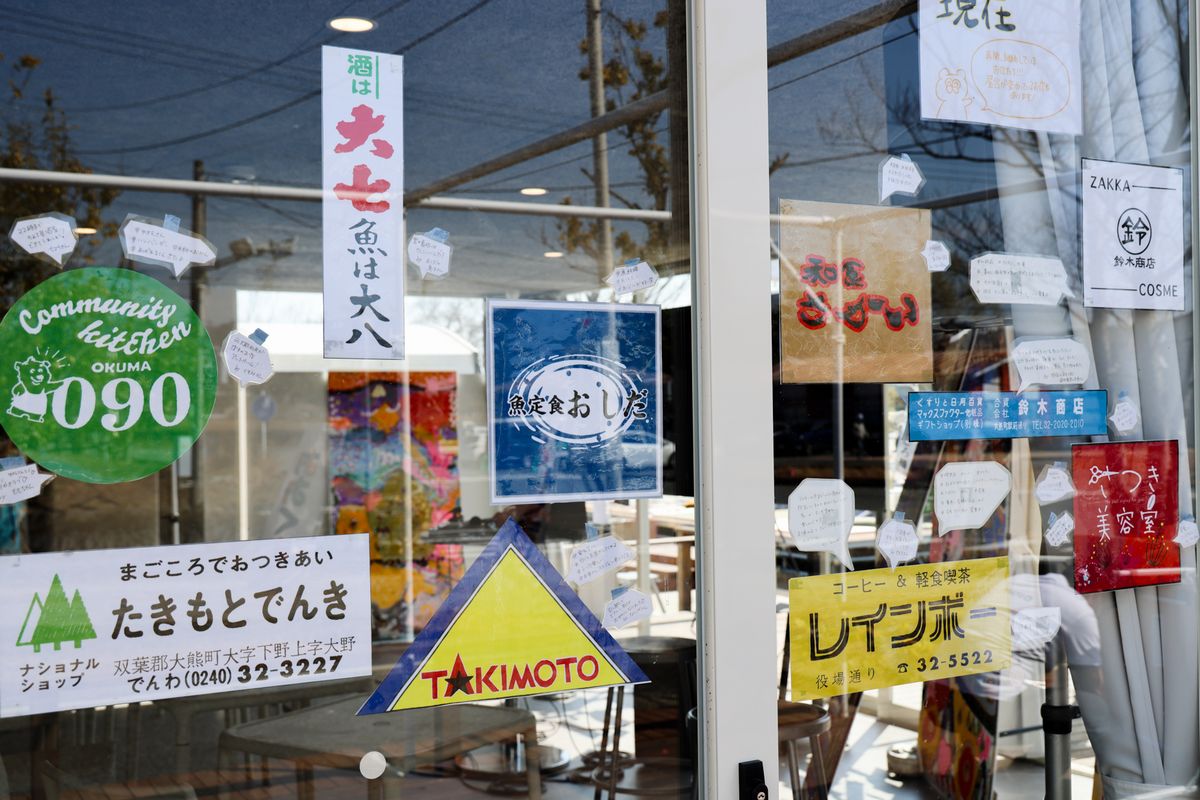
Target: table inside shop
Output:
[(680, 519), (330, 735)]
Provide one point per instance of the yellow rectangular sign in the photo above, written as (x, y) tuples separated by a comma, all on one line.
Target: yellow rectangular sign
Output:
[(866, 630)]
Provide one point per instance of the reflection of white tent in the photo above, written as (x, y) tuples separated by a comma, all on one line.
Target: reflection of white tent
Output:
[(293, 322)]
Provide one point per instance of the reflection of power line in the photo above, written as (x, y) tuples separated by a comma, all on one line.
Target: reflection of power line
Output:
[(832, 64), (283, 106)]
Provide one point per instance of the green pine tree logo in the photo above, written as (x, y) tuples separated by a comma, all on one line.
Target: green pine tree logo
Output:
[(55, 620)]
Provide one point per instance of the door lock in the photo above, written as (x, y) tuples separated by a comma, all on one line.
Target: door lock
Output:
[(751, 783)]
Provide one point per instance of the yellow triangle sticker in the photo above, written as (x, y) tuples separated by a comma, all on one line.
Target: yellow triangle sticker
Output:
[(510, 628)]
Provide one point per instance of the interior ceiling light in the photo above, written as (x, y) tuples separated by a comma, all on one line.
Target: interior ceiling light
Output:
[(533, 191), (83, 230), (552, 254), (351, 24)]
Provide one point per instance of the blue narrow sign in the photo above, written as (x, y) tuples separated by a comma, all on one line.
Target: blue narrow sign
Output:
[(944, 416)]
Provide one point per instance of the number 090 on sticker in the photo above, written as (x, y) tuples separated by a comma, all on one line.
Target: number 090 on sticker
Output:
[(869, 630)]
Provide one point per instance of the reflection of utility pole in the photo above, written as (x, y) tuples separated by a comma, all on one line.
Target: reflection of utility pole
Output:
[(600, 141)]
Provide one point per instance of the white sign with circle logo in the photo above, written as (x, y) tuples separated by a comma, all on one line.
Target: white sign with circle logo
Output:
[(1132, 236)]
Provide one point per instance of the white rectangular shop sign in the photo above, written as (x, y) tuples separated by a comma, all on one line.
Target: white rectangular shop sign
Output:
[(362, 163), (1132, 235), (99, 627)]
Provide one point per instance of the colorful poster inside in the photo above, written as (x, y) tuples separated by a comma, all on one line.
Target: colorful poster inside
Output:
[(947, 416), (109, 376), (574, 401), (1003, 62), (362, 164), (511, 628), (1126, 513), (102, 627), (377, 420), (1132, 236), (883, 627), (853, 294)]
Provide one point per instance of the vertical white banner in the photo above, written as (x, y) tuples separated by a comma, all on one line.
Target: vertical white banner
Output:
[(362, 164)]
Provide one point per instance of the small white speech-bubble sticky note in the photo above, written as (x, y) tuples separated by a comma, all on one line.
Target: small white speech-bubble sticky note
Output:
[(899, 175), (431, 253), (631, 277), (897, 540), (1125, 416), (627, 605), (590, 560), (1186, 532), (1060, 529), (246, 359), (21, 483), (936, 255), (1054, 484), (148, 242), (966, 493), (48, 236), (1035, 626), (820, 516), (1012, 278), (1051, 362)]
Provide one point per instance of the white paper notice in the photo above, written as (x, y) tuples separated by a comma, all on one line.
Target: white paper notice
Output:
[(820, 516), (148, 623), (897, 540), (246, 359), (430, 253), (1059, 529), (1053, 485), (899, 175), (936, 255), (1051, 362), (21, 483), (627, 606), (1132, 236), (590, 560), (1013, 278), (1186, 532), (50, 236), (1125, 416), (632, 277), (148, 242), (1014, 63), (1034, 627), (362, 175), (966, 493)]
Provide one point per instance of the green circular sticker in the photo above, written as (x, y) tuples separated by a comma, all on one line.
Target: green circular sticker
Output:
[(105, 375)]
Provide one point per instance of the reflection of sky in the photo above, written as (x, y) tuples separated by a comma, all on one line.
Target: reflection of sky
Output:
[(151, 87)]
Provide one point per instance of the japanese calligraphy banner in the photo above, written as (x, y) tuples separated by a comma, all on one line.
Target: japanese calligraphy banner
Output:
[(362, 163), (854, 294), (1002, 62), (100, 627), (888, 627), (1126, 513), (947, 416), (573, 401)]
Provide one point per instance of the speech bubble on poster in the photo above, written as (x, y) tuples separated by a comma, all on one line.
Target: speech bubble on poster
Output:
[(936, 255), (820, 516), (590, 560), (633, 276), (1059, 529), (1125, 415), (1034, 627), (430, 253), (1054, 484), (627, 606), (1020, 279), (967, 493), (1186, 532), (897, 540), (1045, 79), (21, 483), (148, 242), (50, 236), (246, 359), (899, 175), (1051, 362)]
